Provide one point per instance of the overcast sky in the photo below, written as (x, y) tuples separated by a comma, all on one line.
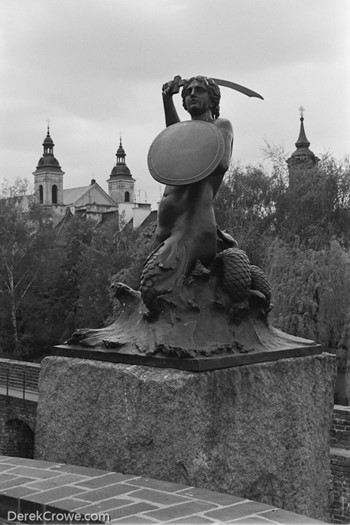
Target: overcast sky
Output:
[(95, 68)]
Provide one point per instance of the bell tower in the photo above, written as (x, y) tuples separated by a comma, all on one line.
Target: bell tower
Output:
[(121, 185), (48, 176)]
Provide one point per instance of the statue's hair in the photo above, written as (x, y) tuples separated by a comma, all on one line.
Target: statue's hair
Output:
[(213, 90)]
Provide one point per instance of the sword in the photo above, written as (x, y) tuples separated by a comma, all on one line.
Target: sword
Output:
[(225, 83)]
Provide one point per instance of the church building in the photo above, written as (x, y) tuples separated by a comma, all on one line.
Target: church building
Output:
[(92, 200)]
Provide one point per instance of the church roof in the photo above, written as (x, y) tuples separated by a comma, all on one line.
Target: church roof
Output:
[(92, 194), (70, 195), (48, 162), (121, 171)]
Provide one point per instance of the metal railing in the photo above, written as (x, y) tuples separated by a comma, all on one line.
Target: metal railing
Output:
[(8, 384), (19, 379)]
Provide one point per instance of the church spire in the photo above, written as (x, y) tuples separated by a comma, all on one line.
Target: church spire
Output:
[(303, 157), (302, 141)]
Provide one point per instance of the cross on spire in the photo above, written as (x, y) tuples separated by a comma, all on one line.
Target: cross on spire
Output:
[(301, 111)]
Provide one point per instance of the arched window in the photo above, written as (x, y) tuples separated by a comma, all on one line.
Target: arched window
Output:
[(127, 196), (41, 194), (54, 194)]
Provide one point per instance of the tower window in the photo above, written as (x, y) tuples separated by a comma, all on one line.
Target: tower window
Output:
[(127, 196), (54, 194), (41, 194)]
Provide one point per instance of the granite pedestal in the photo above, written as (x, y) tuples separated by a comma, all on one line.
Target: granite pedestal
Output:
[(259, 431)]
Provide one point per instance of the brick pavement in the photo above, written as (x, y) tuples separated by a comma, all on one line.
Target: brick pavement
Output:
[(37, 487)]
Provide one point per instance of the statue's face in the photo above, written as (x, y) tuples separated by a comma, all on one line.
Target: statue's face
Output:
[(197, 99)]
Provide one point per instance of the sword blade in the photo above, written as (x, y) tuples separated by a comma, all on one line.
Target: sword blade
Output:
[(231, 85), (237, 87)]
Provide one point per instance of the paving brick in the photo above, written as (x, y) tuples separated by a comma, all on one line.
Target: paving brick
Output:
[(32, 472), (158, 484), (48, 496), (27, 462), (194, 520), (240, 510), (12, 481), (156, 496), (286, 517), (131, 510), (68, 504), (253, 520), (106, 505), (64, 479), (19, 491), (181, 510), (6, 466), (214, 497), (106, 492), (133, 520), (76, 469), (108, 479), (142, 500)]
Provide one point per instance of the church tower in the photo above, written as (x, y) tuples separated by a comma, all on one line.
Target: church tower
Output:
[(48, 176), (121, 185), (303, 159)]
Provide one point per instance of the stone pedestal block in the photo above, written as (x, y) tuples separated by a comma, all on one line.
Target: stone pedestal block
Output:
[(260, 431)]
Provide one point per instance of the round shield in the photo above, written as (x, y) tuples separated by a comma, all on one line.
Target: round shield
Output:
[(185, 152)]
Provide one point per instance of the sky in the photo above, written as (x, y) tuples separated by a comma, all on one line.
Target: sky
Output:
[(95, 68)]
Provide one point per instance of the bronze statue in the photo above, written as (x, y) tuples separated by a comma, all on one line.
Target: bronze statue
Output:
[(186, 231), (199, 295)]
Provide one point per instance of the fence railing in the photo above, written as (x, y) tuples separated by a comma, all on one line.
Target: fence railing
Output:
[(19, 378)]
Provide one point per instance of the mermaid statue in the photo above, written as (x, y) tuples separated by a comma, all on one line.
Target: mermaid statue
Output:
[(199, 296)]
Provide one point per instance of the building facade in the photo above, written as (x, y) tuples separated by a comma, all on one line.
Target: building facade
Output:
[(90, 200)]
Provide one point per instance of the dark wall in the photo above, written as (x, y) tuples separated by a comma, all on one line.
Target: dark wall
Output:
[(17, 427), (340, 465)]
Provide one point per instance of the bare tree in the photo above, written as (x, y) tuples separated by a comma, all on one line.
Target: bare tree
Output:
[(19, 264)]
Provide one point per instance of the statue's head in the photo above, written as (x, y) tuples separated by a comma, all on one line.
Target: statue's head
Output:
[(211, 87)]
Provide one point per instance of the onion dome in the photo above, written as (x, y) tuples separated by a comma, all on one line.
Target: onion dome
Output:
[(48, 160), (120, 170)]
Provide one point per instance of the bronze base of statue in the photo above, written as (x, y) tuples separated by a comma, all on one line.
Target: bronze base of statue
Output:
[(196, 327)]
